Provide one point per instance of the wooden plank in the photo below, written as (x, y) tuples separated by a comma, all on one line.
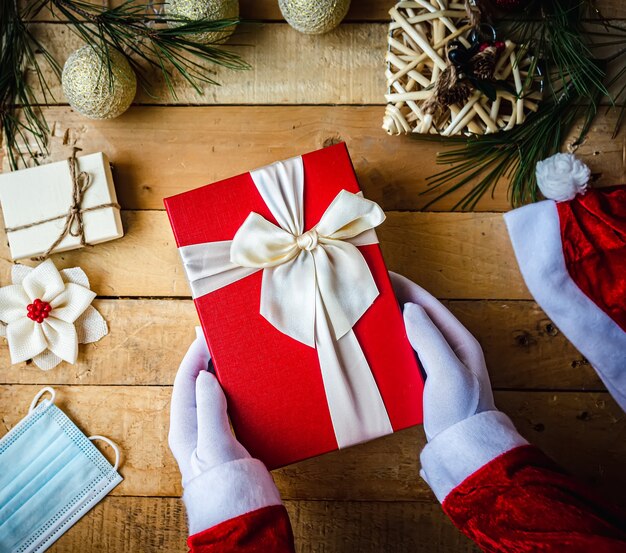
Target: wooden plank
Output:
[(523, 348), (585, 432), (347, 527), (161, 151), (612, 8), (147, 340), (343, 67), (154, 525), (361, 10), (454, 255), (346, 66), (145, 344), (268, 10)]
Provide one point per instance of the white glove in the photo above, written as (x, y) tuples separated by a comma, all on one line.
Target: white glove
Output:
[(462, 425), (220, 479), (457, 384)]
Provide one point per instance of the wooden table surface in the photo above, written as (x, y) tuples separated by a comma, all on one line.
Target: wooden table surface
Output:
[(303, 92)]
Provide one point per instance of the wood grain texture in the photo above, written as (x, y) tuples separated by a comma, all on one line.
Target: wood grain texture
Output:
[(523, 348), (147, 340), (345, 66), (161, 151), (367, 498), (454, 255), (360, 10), (571, 427), (151, 525), (268, 10)]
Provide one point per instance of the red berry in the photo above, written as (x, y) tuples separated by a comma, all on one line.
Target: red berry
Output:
[(38, 310)]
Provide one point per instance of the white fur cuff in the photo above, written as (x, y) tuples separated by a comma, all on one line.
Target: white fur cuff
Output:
[(535, 232), (465, 447), (227, 491)]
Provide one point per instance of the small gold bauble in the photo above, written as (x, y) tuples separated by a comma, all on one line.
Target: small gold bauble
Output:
[(314, 17), (94, 92), (204, 9)]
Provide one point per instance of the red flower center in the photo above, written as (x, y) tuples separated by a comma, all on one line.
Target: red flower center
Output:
[(38, 310)]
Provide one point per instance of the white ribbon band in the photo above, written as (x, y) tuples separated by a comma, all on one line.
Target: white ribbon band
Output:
[(316, 285)]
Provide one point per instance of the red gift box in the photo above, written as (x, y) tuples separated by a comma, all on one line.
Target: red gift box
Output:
[(273, 383)]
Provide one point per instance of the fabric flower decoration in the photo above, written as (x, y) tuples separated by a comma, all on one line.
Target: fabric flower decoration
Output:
[(46, 313)]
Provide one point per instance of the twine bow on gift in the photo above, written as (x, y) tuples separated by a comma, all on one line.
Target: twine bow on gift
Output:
[(316, 285), (73, 225)]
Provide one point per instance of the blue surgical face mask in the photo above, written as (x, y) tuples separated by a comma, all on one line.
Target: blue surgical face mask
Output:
[(50, 476)]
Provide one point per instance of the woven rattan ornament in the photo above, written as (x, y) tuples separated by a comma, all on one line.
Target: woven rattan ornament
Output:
[(444, 77)]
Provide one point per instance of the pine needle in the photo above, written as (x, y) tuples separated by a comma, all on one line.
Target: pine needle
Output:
[(574, 86), (139, 32)]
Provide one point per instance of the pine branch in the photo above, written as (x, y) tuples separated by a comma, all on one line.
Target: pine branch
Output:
[(144, 36), (141, 34), (28, 134), (574, 85), (611, 36)]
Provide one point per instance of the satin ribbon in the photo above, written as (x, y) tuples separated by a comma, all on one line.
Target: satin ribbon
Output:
[(315, 286)]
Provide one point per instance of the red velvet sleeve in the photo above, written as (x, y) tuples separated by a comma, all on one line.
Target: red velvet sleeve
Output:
[(523, 502), (262, 531)]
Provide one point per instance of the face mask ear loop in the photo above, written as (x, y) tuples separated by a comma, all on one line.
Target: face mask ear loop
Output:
[(40, 393), (113, 445)]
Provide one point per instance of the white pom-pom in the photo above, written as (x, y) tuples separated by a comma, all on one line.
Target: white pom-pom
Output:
[(561, 176)]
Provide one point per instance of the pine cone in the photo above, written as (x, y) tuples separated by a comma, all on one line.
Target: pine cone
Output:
[(458, 94), (484, 63)]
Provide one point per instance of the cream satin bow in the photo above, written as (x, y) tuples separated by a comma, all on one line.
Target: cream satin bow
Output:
[(321, 261)]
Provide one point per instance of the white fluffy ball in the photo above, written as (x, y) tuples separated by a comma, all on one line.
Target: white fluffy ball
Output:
[(561, 176)]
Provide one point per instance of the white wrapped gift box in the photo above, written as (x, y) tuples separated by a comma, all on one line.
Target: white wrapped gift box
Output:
[(37, 194)]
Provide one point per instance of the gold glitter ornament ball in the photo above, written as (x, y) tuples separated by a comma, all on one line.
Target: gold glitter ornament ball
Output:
[(314, 17), (94, 92), (205, 9)]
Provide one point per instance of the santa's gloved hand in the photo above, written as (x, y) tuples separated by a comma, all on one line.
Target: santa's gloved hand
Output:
[(220, 479), (457, 384), (463, 427)]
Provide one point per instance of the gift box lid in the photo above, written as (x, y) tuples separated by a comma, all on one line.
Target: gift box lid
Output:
[(278, 399)]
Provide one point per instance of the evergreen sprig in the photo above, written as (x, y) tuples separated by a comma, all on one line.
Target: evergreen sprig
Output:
[(609, 36), (17, 50), (141, 32), (574, 82), (482, 161)]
